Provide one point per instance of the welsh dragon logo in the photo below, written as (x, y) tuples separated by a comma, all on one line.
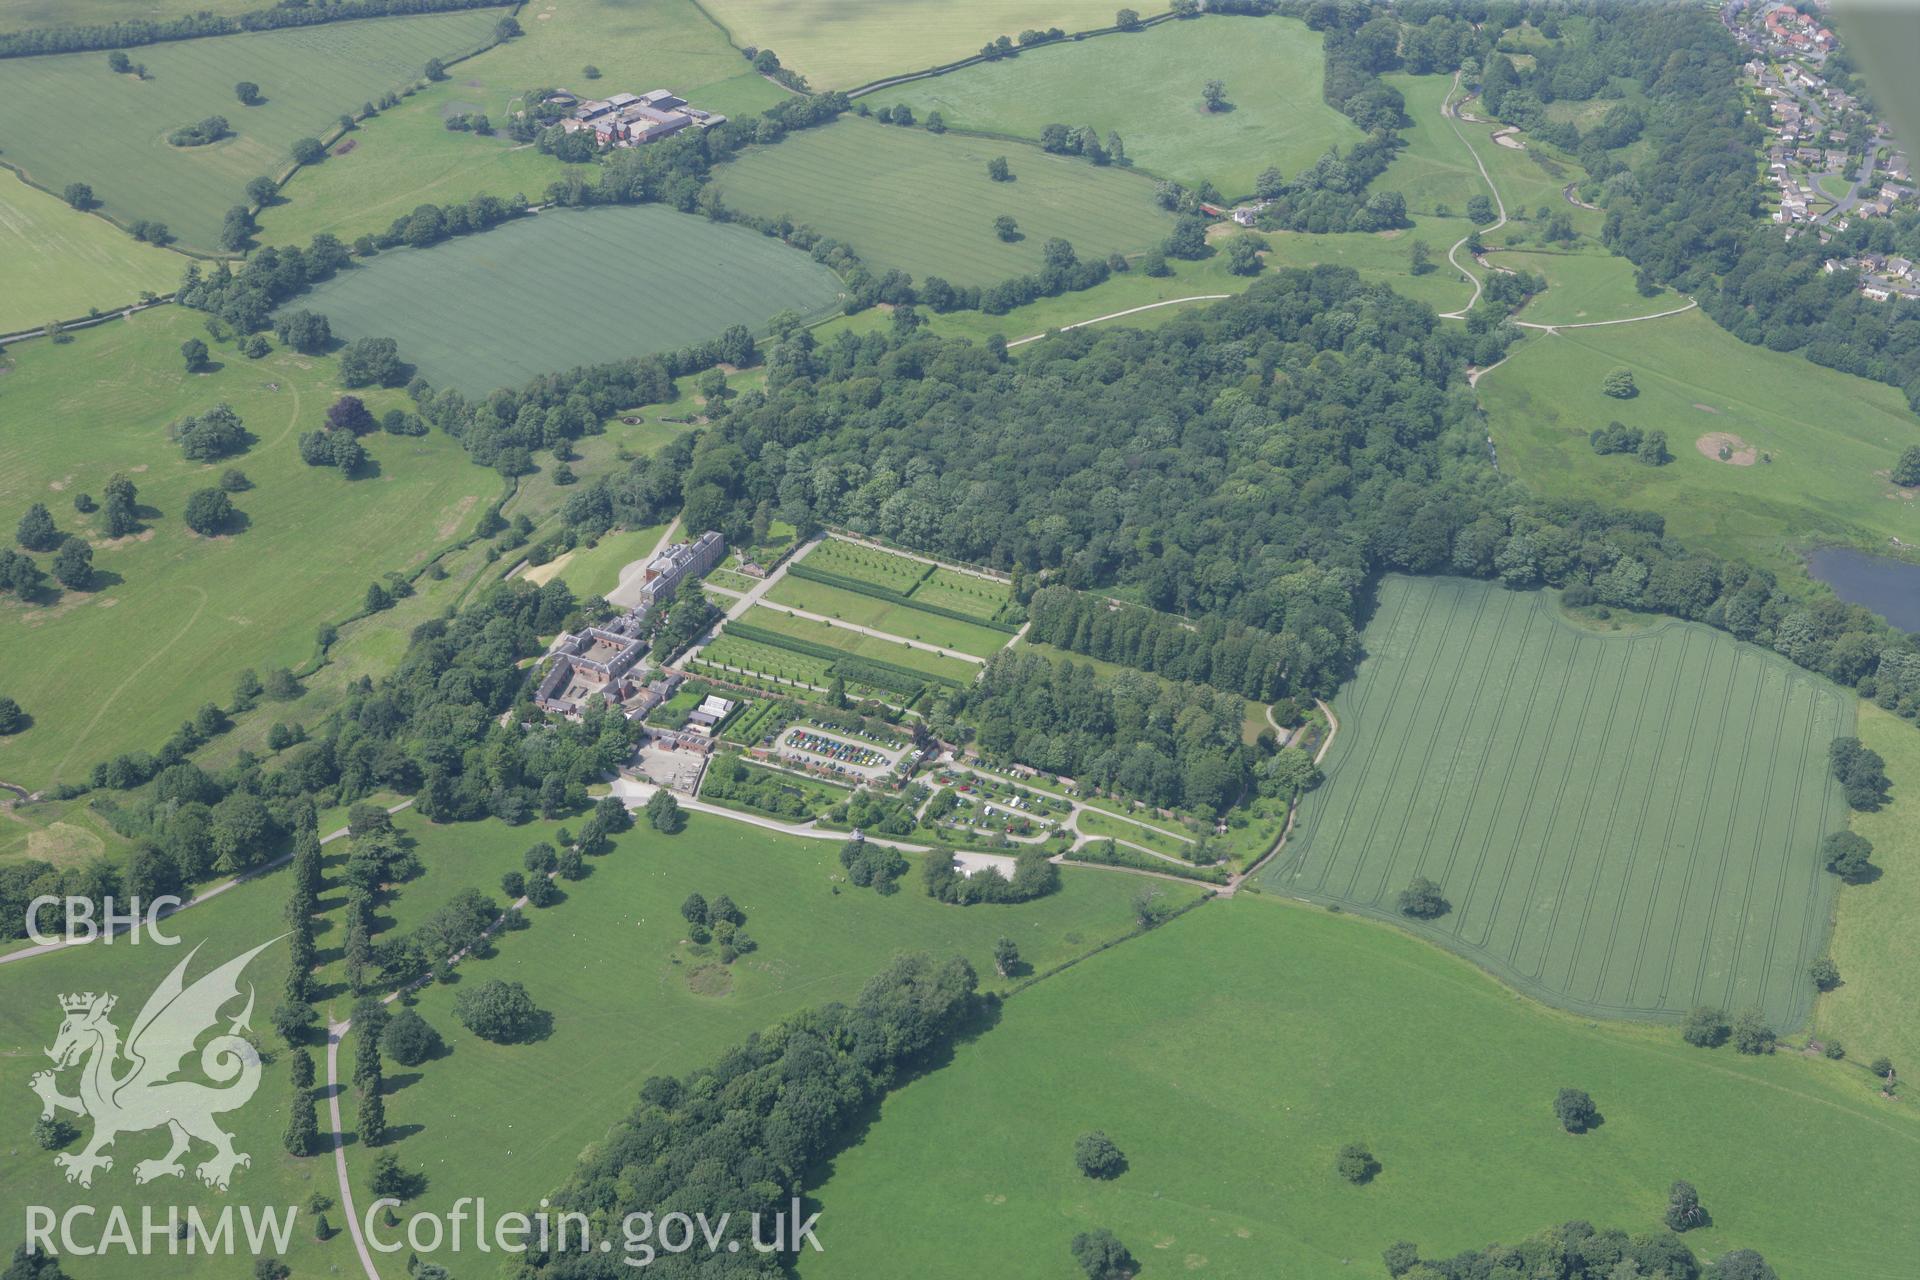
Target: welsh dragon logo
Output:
[(131, 1088)]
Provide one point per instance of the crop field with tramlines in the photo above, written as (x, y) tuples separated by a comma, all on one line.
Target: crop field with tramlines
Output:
[(1625, 824)]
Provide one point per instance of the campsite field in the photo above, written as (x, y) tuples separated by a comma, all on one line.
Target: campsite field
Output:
[(1828, 477), (674, 1007), (58, 262), (1874, 1011), (901, 620), (176, 616), (839, 44), (849, 180), (308, 75), (1146, 86), (580, 284), (1232, 1052), (1583, 286), (406, 155), (1625, 824)]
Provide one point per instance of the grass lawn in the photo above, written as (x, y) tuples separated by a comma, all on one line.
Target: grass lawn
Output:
[(1837, 186), (595, 570), (819, 940), (964, 592), (882, 615), (1874, 1010), (578, 286), (176, 616), (1094, 823), (767, 660), (861, 645), (1383, 257), (61, 832), (406, 156), (839, 44), (1231, 1053), (1433, 171), (1626, 825), (868, 564), (308, 75), (922, 202), (1146, 86), (1832, 437), (59, 263), (1583, 286)]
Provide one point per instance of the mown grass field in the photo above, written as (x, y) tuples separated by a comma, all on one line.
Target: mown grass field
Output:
[(1230, 1055), (1873, 1012), (900, 620), (59, 263), (838, 44), (964, 592), (860, 645), (1146, 86), (595, 570), (1433, 171), (406, 156), (1583, 286), (1832, 437), (25, 15), (584, 286), (1626, 825), (483, 1129), (922, 202), (1383, 257), (308, 75), (176, 616), (882, 568)]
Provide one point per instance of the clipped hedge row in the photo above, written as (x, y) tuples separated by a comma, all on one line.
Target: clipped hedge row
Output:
[(799, 569)]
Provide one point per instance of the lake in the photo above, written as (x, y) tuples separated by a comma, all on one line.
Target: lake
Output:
[(1889, 587)]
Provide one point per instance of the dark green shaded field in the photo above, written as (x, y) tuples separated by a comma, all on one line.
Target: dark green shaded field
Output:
[(1625, 824), (568, 288)]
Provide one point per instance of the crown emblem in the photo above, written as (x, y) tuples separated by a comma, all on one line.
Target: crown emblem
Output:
[(82, 1003)]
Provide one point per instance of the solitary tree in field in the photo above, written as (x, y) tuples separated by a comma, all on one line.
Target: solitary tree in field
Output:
[(12, 718), (1243, 255), (1619, 383), (119, 63), (1751, 1034), (1423, 900), (308, 151), (1846, 854), (1419, 257), (1906, 472), (1683, 1207), (1356, 1164), (1214, 94), (1006, 954), (36, 531), (79, 195), (663, 813), (1479, 210), (1101, 1255), (1575, 1110), (1006, 228), (248, 92), (73, 564), (1096, 1156), (194, 352), (208, 512), (1824, 973), (435, 69)]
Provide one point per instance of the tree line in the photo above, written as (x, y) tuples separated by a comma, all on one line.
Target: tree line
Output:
[(140, 31)]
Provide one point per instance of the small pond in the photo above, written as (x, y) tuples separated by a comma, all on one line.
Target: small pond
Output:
[(1889, 587)]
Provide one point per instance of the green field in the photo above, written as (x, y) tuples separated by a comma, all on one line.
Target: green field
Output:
[(309, 76), (963, 592), (1626, 824), (1093, 822), (860, 645), (176, 616), (24, 15), (478, 1136), (923, 203), (1873, 1012), (838, 44), (406, 156), (768, 660), (1231, 1053), (1382, 257), (1583, 286), (1146, 86), (1433, 170), (580, 287), (59, 263), (1832, 437), (901, 620)]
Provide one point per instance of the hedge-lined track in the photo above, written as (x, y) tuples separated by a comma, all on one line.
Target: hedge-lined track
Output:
[(1625, 824)]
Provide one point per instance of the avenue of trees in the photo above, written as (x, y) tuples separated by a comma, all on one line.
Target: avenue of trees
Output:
[(1579, 1251)]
